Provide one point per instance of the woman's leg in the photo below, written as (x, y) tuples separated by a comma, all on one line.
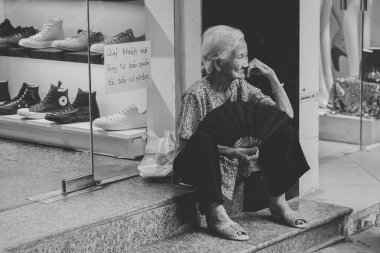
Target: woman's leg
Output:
[(283, 161), (199, 166)]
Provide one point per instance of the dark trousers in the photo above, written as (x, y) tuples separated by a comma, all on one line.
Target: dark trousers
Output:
[(281, 159)]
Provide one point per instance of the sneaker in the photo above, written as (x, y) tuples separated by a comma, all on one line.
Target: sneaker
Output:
[(19, 33), (27, 96), (78, 42), (4, 93), (6, 28), (56, 99), (127, 119), (123, 37), (79, 111), (52, 30)]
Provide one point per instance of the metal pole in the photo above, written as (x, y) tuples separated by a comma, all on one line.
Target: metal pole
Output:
[(363, 8), (90, 88)]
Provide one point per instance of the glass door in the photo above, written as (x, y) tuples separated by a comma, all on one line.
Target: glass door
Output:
[(44, 87), (119, 83)]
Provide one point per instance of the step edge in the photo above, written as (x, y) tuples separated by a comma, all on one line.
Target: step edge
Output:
[(337, 217), (188, 196)]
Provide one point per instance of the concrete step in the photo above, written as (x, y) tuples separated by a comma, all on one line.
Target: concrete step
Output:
[(117, 218), (325, 222)]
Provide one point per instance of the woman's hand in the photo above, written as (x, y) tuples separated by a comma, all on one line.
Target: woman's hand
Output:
[(246, 155), (256, 67)]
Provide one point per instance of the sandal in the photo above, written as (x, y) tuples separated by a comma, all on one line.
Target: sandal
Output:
[(229, 230), (289, 218)]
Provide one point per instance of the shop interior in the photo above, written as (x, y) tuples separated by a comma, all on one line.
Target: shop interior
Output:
[(349, 74), (47, 71)]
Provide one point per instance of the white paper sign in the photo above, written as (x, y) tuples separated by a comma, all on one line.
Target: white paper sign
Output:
[(127, 66)]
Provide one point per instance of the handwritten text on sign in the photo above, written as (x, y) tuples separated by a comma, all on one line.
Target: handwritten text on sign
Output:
[(126, 65)]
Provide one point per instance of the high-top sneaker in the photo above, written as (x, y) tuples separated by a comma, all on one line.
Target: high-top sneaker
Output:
[(27, 97), (129, 118), (79, 111), (56, 99), (4, 39), (6, 28), (123, 37), (51, 30), (18, 34), (79, 41), (4, 93)]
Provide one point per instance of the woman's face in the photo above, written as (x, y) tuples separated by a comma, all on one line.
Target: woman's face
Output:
[(235, 67)]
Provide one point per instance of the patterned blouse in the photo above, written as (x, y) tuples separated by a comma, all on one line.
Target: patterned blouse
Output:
[(197, 101)]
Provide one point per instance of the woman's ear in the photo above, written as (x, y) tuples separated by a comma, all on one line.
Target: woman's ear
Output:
[(217, 65)]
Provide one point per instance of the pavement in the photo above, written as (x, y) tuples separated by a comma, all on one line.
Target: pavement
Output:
[(363, 242)]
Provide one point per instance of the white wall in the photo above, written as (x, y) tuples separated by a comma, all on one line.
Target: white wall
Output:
[(309, 91), (161, 89), (108, 17)]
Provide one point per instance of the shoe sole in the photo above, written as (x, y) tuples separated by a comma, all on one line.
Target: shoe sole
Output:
[(36, 45), (32, 115), (120, 127), (73, 48), (68, 120)]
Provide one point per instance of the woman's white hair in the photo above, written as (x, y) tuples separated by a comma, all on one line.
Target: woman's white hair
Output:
[(218, 43)]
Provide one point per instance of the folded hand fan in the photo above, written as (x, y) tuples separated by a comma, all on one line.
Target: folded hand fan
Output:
[(242, 124)]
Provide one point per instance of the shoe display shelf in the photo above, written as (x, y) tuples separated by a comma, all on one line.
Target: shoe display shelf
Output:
[(129, 144), (52, 54), (345, 128)]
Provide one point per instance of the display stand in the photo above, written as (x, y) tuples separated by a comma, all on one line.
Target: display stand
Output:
[(128, 144), (344, 128)]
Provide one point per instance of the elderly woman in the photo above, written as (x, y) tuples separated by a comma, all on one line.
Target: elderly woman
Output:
[(199, 159)]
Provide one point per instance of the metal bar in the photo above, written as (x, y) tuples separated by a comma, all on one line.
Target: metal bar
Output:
[(65, 196), (363, 5), (114, 179), (343, 5), (90, 87), (78, 183), (361, 83)]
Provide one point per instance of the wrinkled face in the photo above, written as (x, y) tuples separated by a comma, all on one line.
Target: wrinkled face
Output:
[(235, 67)]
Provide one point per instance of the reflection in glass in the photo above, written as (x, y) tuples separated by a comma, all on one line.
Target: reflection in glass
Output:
[(44, 91)]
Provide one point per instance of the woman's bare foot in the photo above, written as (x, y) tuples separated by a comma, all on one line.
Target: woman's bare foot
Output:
[(280, 209), (221, 224)]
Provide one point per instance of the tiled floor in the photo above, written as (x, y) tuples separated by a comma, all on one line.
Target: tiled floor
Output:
[(348, 176)]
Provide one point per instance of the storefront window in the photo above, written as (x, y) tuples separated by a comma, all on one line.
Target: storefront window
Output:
[(349, 76), (55, 78), (120, 83)]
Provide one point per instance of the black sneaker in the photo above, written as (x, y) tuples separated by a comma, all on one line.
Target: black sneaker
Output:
[(79, 111), (6, 28), (4, 93), (56, 99), (27, 96), (18, 34)]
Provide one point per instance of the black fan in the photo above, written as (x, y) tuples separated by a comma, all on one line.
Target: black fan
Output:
[(242, 124)]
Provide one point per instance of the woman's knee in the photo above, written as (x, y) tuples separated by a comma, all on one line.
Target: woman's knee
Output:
[(201, 138)]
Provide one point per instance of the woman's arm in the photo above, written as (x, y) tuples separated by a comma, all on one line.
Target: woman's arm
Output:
[(282, 100), (256, 67)]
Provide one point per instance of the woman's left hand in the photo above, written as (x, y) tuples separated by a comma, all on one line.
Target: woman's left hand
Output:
[(256, 67)]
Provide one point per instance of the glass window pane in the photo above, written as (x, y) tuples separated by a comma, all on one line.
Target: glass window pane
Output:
[(120, 83), (44, 125)]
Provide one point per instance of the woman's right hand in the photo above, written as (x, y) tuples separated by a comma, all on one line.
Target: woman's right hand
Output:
[(247, 155)]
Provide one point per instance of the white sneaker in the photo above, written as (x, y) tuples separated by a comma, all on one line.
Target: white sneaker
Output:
[(51, 30), (127, 119), (78, 42)]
